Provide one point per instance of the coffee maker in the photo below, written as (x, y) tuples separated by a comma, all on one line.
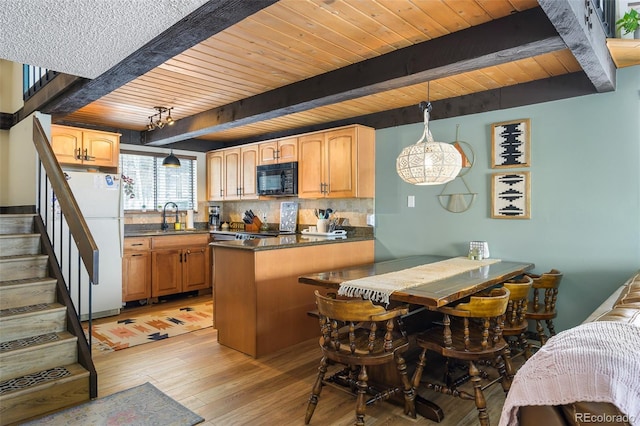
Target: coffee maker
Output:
[(214, 218)]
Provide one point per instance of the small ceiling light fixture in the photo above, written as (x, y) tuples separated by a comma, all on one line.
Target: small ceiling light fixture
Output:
[(427, 162), (171, 160), (159, 123)]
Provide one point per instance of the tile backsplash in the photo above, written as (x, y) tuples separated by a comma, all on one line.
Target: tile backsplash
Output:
[(354, 210)]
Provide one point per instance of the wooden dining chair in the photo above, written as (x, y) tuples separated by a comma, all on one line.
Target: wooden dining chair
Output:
[(543, 305), (472, 333), (515, 318), (358, 334)]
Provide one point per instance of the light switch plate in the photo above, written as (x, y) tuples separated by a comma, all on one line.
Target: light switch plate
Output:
[(371, 220)]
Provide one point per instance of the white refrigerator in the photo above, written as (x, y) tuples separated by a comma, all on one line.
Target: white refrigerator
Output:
[(99, 196)]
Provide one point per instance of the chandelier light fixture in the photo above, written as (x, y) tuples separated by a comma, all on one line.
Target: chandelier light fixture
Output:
[(428, 162), (156, 121)]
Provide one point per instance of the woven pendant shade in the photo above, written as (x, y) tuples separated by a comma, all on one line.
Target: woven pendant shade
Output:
[(428, 162)]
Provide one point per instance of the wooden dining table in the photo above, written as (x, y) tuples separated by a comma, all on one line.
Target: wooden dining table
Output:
[(430, 295)]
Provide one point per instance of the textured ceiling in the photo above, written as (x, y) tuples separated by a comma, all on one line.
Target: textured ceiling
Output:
[(83, 37)]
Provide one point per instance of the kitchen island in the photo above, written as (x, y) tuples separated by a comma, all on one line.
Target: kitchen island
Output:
[(259, 306)]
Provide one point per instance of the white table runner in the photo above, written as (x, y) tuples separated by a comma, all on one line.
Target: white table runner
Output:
[(378, 288)]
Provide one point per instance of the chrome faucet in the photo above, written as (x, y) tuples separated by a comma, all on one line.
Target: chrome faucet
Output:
[(165, 226)]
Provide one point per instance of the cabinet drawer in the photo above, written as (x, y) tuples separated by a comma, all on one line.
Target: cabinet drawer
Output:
[(137, 243), (171, 241)]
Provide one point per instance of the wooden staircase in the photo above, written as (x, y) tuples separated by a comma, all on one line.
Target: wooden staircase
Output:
[(41, 340)]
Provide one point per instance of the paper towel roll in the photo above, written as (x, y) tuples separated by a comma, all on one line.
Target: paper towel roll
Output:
[(189, 219)]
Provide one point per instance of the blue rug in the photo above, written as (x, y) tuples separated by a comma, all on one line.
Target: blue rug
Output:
[(143, 405)]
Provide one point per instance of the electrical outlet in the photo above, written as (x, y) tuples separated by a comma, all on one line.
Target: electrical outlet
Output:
[(411, 201)]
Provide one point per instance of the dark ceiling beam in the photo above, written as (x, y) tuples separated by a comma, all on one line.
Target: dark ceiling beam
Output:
[(539, 91), (580, 28), (550, 89), (209, 19), (520, 35)]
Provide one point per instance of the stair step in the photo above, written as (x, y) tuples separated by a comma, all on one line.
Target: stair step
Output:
[(27, 291), (16, 223), (33, 320), (43, 392), (26, 356), (23, 266), (16, 244)]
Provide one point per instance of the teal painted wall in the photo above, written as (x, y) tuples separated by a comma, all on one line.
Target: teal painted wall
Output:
[(585, 195)]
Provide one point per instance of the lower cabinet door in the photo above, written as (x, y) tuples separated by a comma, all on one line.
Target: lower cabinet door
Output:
[(136, 276), (196, 269), (166, 275)]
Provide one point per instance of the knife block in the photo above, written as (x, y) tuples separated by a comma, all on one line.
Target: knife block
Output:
[(253, 227)]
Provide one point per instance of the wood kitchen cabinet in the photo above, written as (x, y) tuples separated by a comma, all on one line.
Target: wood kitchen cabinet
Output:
[(278, 151), (231, 174), (162, 265), (180, 263), (136, 269), (260, 307), (338, 163), (215, 175), (84, 147)]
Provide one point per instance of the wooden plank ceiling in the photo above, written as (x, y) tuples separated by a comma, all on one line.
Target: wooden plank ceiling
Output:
[(249, 66)]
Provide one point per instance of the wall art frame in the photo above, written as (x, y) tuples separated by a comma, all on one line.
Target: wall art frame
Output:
[(511, 195), (511, 143)]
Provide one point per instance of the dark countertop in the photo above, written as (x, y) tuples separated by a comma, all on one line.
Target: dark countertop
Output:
[(286, 241)]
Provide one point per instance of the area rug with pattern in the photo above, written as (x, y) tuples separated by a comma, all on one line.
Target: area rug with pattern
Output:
[(140, 406), (136, 330)]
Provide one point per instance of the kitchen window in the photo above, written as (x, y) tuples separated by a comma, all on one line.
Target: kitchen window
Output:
[(148, 185)]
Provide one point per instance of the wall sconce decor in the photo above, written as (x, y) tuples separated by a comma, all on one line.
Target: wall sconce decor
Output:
[(156, 121), (459, 200), (428, 162)]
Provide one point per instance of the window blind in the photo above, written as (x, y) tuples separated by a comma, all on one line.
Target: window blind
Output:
[(149, 185)]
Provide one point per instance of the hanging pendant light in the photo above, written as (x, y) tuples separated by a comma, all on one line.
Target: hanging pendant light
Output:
[(171, 160), (428, 162)]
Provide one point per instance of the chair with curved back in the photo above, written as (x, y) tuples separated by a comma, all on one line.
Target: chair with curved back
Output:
[(470, 332), (543, 305), (515, 320), (359, 334)]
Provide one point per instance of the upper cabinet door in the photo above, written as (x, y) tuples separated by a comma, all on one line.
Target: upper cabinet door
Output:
[(101, 149), (288, 150), (232, 174), (66, 143), (215, 176), (311, 149), (280, 151), (341, 163), (248, 179), (268, 153)]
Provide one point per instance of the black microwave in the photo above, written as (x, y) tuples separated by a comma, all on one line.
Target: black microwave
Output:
[(278, 180)]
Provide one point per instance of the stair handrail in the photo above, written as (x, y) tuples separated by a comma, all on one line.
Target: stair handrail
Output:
[(87, 247)]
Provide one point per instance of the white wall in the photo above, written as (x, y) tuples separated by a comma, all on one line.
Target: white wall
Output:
[(17, 153)]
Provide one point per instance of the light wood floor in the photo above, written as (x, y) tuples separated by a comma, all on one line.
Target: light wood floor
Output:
[(229, 388)]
